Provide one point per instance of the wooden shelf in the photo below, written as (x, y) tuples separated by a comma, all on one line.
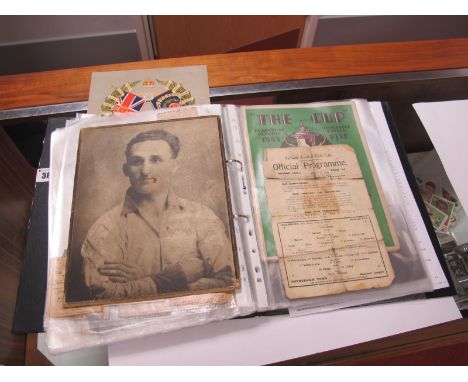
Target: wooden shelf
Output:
[(72, 85)]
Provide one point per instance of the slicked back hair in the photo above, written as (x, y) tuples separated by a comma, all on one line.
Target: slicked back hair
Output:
[(155, 135)]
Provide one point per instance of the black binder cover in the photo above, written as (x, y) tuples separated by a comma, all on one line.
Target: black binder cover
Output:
[(30, 301), (443, 292)]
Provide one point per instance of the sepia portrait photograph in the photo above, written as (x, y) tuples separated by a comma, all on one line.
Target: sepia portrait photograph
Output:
[(151, 214)]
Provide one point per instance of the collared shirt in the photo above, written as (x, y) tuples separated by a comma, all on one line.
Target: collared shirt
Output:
[(189, 249)]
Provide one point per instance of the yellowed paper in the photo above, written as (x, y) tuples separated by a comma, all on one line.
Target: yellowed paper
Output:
[(308, 197), (329, 161), (326, 234), (337, 271), (302, 236), (166, 307), (55, 296), (55, 299)]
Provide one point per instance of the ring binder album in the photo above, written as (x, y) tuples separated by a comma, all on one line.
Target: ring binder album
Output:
[(316, 223)]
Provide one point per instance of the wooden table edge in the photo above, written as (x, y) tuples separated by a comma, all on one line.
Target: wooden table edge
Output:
[(232, 69)]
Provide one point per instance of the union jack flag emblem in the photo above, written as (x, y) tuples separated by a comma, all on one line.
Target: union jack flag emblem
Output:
[(128, 103)]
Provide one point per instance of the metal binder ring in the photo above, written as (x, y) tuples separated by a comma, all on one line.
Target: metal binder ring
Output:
[(237, 161), (237, 216)]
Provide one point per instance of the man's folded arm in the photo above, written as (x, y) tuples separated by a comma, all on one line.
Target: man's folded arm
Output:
[(101, 287)]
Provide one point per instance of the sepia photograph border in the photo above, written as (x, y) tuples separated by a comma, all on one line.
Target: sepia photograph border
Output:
[(150, 297)]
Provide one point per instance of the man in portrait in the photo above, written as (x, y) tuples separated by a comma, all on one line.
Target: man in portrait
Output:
[(155, 242)]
